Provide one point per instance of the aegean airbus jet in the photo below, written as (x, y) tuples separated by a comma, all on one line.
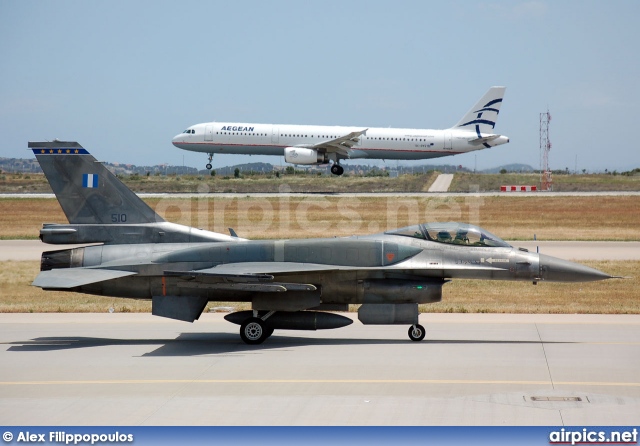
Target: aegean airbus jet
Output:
[(314, 144)]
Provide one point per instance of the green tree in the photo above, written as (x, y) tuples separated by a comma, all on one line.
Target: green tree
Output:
[(236, 173)]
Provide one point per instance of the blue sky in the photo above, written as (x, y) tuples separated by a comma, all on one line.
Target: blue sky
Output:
[(124, 77)]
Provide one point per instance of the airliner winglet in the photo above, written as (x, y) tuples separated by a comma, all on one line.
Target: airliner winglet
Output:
[(312, 144)]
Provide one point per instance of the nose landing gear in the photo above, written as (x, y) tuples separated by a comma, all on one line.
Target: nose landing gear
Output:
[(209, 166), (416, 332)]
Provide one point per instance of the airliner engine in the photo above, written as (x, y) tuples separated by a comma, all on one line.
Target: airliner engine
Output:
[(301, 155)]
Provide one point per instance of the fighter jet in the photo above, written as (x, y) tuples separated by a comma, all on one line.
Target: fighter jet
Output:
[(291, 284)]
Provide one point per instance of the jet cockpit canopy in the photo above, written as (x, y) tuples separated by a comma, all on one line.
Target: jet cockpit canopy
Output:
[(452, 232)]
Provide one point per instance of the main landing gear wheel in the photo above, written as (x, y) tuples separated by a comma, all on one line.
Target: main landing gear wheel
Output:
[(209, 166), (253, 331), (337, 169), (416, 332)]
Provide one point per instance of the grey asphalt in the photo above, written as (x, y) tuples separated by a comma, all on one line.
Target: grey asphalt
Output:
[(17, 250), (472, 369), (361, 194)]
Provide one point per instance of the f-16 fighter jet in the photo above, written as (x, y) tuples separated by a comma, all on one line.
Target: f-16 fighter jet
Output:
[(291, 284)]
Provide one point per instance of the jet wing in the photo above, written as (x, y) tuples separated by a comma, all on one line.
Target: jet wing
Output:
[(73, 277), (243, 277), (341, 145), (248, 277), (253, 270)]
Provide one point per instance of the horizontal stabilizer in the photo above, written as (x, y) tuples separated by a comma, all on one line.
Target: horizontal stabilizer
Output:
[(75, 277), (484, 139)]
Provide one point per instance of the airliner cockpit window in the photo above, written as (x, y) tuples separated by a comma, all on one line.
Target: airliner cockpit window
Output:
[(462, 234)]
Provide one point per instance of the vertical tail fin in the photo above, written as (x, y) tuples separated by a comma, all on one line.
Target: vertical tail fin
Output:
[(86, 190), (483, 116)]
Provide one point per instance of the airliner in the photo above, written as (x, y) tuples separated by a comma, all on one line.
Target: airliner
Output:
[(314, 144)]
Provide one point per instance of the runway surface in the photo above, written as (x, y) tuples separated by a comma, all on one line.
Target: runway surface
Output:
[(479, 369), (363, 194), (17, 250)]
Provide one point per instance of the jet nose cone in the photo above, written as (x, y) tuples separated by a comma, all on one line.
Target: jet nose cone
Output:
[(177, 140), (553, 269)]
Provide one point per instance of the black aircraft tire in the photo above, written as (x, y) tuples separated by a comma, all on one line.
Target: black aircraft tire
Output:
[(209, 166), (268, 332), (253, 331), (337, 169), (416, 332)]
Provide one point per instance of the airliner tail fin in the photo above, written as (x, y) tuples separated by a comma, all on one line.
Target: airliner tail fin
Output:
[(483, 116)]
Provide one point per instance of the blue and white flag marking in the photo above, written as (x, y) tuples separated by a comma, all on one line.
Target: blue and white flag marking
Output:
[(90, 180)]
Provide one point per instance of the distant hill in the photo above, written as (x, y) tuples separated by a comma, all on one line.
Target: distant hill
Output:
[(521, 168), (30, 165), (249, 167)]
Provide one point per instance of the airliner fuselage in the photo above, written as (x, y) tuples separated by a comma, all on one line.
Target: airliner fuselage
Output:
[(312, 144)]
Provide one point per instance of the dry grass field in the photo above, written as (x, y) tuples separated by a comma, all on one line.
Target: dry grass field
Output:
[(512, 218), (462, 182), (36, 183), (465, 182), (620, 296)]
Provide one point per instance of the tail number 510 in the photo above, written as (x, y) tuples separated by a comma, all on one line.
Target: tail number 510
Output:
[(118, 218)]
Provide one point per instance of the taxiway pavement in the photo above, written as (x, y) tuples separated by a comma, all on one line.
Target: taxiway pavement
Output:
[(472, 369), (286, 192), (18, 250), (442, 183)]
